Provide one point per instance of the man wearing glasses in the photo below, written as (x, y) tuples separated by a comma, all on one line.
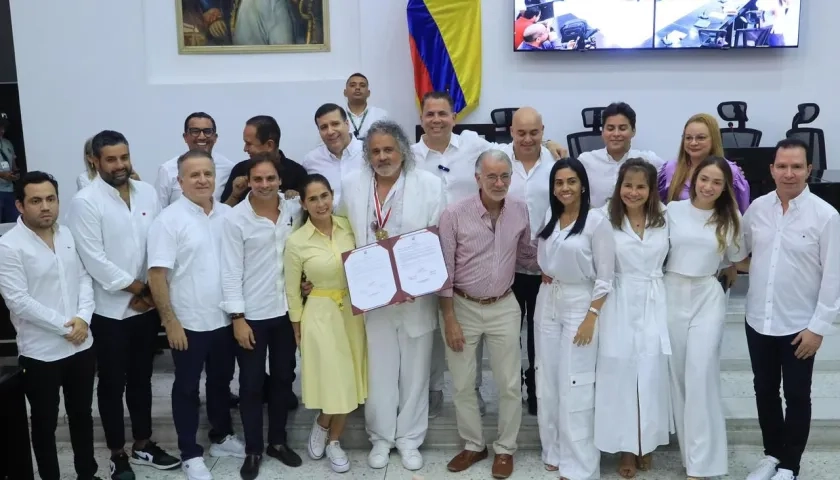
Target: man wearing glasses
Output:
[(199, 134)]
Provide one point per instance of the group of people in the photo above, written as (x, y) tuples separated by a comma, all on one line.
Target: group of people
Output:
[(617, 262)]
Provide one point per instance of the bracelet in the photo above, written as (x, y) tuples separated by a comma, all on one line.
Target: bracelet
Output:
[(236, 316), (594, 311)]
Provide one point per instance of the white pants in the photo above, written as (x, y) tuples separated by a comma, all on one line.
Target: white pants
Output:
[(436, 382), (696, 313), (565, 375), (397, 407)]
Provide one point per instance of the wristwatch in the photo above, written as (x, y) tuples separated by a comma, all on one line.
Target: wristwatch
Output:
[(236, 316)]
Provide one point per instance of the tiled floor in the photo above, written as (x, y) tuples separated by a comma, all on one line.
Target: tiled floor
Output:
[(817, 465)]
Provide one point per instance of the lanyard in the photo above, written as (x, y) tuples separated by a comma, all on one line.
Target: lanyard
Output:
[(379, 219), (358, 128)]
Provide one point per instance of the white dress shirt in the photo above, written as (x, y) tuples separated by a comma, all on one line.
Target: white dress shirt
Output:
[(585, 257), (253, 282), (795, 265), (456, 165), (322, 161), (187, 242), (363, 122), (167, 186), (602, 171), (44, 289), (694, 246), (111, 239)]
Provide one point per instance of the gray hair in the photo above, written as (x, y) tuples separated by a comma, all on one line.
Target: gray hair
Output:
[(89, 167), (496, 155), (388, 127), (194, 154)]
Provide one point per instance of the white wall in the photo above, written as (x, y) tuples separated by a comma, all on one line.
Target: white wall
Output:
[(114, 64)]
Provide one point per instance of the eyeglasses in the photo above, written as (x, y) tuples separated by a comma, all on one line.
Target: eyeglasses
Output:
[(198, 131), (505, 177), (698, 138)]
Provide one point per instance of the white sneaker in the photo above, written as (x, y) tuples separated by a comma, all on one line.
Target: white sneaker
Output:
[(229, 447), (764, 470), (379, 456), (783, 474), (338, 459), (195, 469), (435, 403), (317, 441), (411, 459)]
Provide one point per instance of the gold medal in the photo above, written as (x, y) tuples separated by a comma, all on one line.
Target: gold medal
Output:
[(381, 234)]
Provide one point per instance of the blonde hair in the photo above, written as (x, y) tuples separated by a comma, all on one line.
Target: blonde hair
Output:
[(89, 167), (683, 166)]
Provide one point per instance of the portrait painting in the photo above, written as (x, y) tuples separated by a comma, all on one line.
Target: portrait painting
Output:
[(252, 26)]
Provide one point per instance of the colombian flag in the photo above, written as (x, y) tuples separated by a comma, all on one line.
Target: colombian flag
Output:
[(445, 41)]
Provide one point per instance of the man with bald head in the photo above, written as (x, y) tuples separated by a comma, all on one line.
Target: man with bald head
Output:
[(539, 37), (530, 183), (484, 239)]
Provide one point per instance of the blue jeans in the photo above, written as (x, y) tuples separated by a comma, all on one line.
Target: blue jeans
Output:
[(8, 210)]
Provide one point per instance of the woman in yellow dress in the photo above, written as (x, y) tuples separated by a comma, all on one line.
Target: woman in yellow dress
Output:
[(331, 339)]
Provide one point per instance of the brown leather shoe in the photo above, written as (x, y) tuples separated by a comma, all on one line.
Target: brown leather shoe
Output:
[(502, 466), (466, 459)]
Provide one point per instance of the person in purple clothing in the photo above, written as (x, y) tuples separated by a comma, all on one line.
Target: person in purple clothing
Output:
[(701, 138)]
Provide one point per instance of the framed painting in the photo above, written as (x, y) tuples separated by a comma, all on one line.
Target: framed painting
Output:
[(252, 26)]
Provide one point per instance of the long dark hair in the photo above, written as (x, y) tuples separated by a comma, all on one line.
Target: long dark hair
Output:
[(557, 207), (309, 180), (725, 216), (654, 217)]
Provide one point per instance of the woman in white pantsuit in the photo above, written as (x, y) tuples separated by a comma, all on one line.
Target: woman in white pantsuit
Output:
[(576, 255), (703, 231), (632, 401)]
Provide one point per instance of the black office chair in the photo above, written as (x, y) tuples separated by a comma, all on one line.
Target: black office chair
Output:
[(750, 19), (740, 136), (579, 30), (712, 38), (752, 37), (502, 118), (813, 137), (590, 140)]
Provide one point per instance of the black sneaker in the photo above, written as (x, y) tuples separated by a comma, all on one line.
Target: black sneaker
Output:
[(119, 467), (250, 467), (153, 456), (285, 455)]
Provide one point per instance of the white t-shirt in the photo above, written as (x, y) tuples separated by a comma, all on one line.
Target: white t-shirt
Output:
[(694, 246)]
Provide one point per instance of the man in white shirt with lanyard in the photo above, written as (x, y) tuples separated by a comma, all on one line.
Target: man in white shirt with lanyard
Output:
[(110, 221), (50, 300), (186, 283), (452, 157), (340, 154), (199, 134), (792, 302), (254, 237), (530, 183), (618, 129), (361, 115)]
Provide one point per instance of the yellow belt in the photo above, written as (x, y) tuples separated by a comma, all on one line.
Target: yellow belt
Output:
[(336, 295)]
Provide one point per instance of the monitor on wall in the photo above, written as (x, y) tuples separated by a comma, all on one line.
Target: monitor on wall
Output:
[(580, 25)]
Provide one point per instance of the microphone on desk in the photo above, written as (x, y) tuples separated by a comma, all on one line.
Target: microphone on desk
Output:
[(732, 131)]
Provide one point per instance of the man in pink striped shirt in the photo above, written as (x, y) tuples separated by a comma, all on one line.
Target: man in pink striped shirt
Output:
[(484, 238)]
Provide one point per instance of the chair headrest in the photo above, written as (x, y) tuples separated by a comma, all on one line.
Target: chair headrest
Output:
[(503, 117), (592, 117), (807, 113), (733, 112)]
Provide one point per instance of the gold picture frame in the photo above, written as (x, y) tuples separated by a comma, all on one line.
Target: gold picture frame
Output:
[(210, 26)]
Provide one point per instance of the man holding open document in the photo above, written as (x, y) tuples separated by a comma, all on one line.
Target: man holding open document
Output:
[(390, 198)]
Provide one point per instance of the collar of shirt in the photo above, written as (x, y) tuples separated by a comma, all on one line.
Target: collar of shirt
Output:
[(423, 149), (251, 207), (309, 229), (796, 202), (482, 210), (32, 234), (111, 190), (398, 186), (198, 209), (353, 148)]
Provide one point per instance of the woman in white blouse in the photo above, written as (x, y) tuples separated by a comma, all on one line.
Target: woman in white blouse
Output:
[(704, 230), (632, 402), (576, 255)]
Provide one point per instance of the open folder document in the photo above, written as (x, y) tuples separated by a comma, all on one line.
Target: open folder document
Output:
[(395, 269)]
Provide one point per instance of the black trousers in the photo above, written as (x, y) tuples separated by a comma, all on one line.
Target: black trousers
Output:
[(276, 338), (784, 435), (213, 352), (125, 351), (43, 381), (525, 289)]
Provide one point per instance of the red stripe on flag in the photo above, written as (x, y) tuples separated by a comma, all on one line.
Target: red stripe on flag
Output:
[(422, 79)]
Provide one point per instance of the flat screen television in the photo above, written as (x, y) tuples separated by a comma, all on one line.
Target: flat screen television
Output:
[(569, 25)]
